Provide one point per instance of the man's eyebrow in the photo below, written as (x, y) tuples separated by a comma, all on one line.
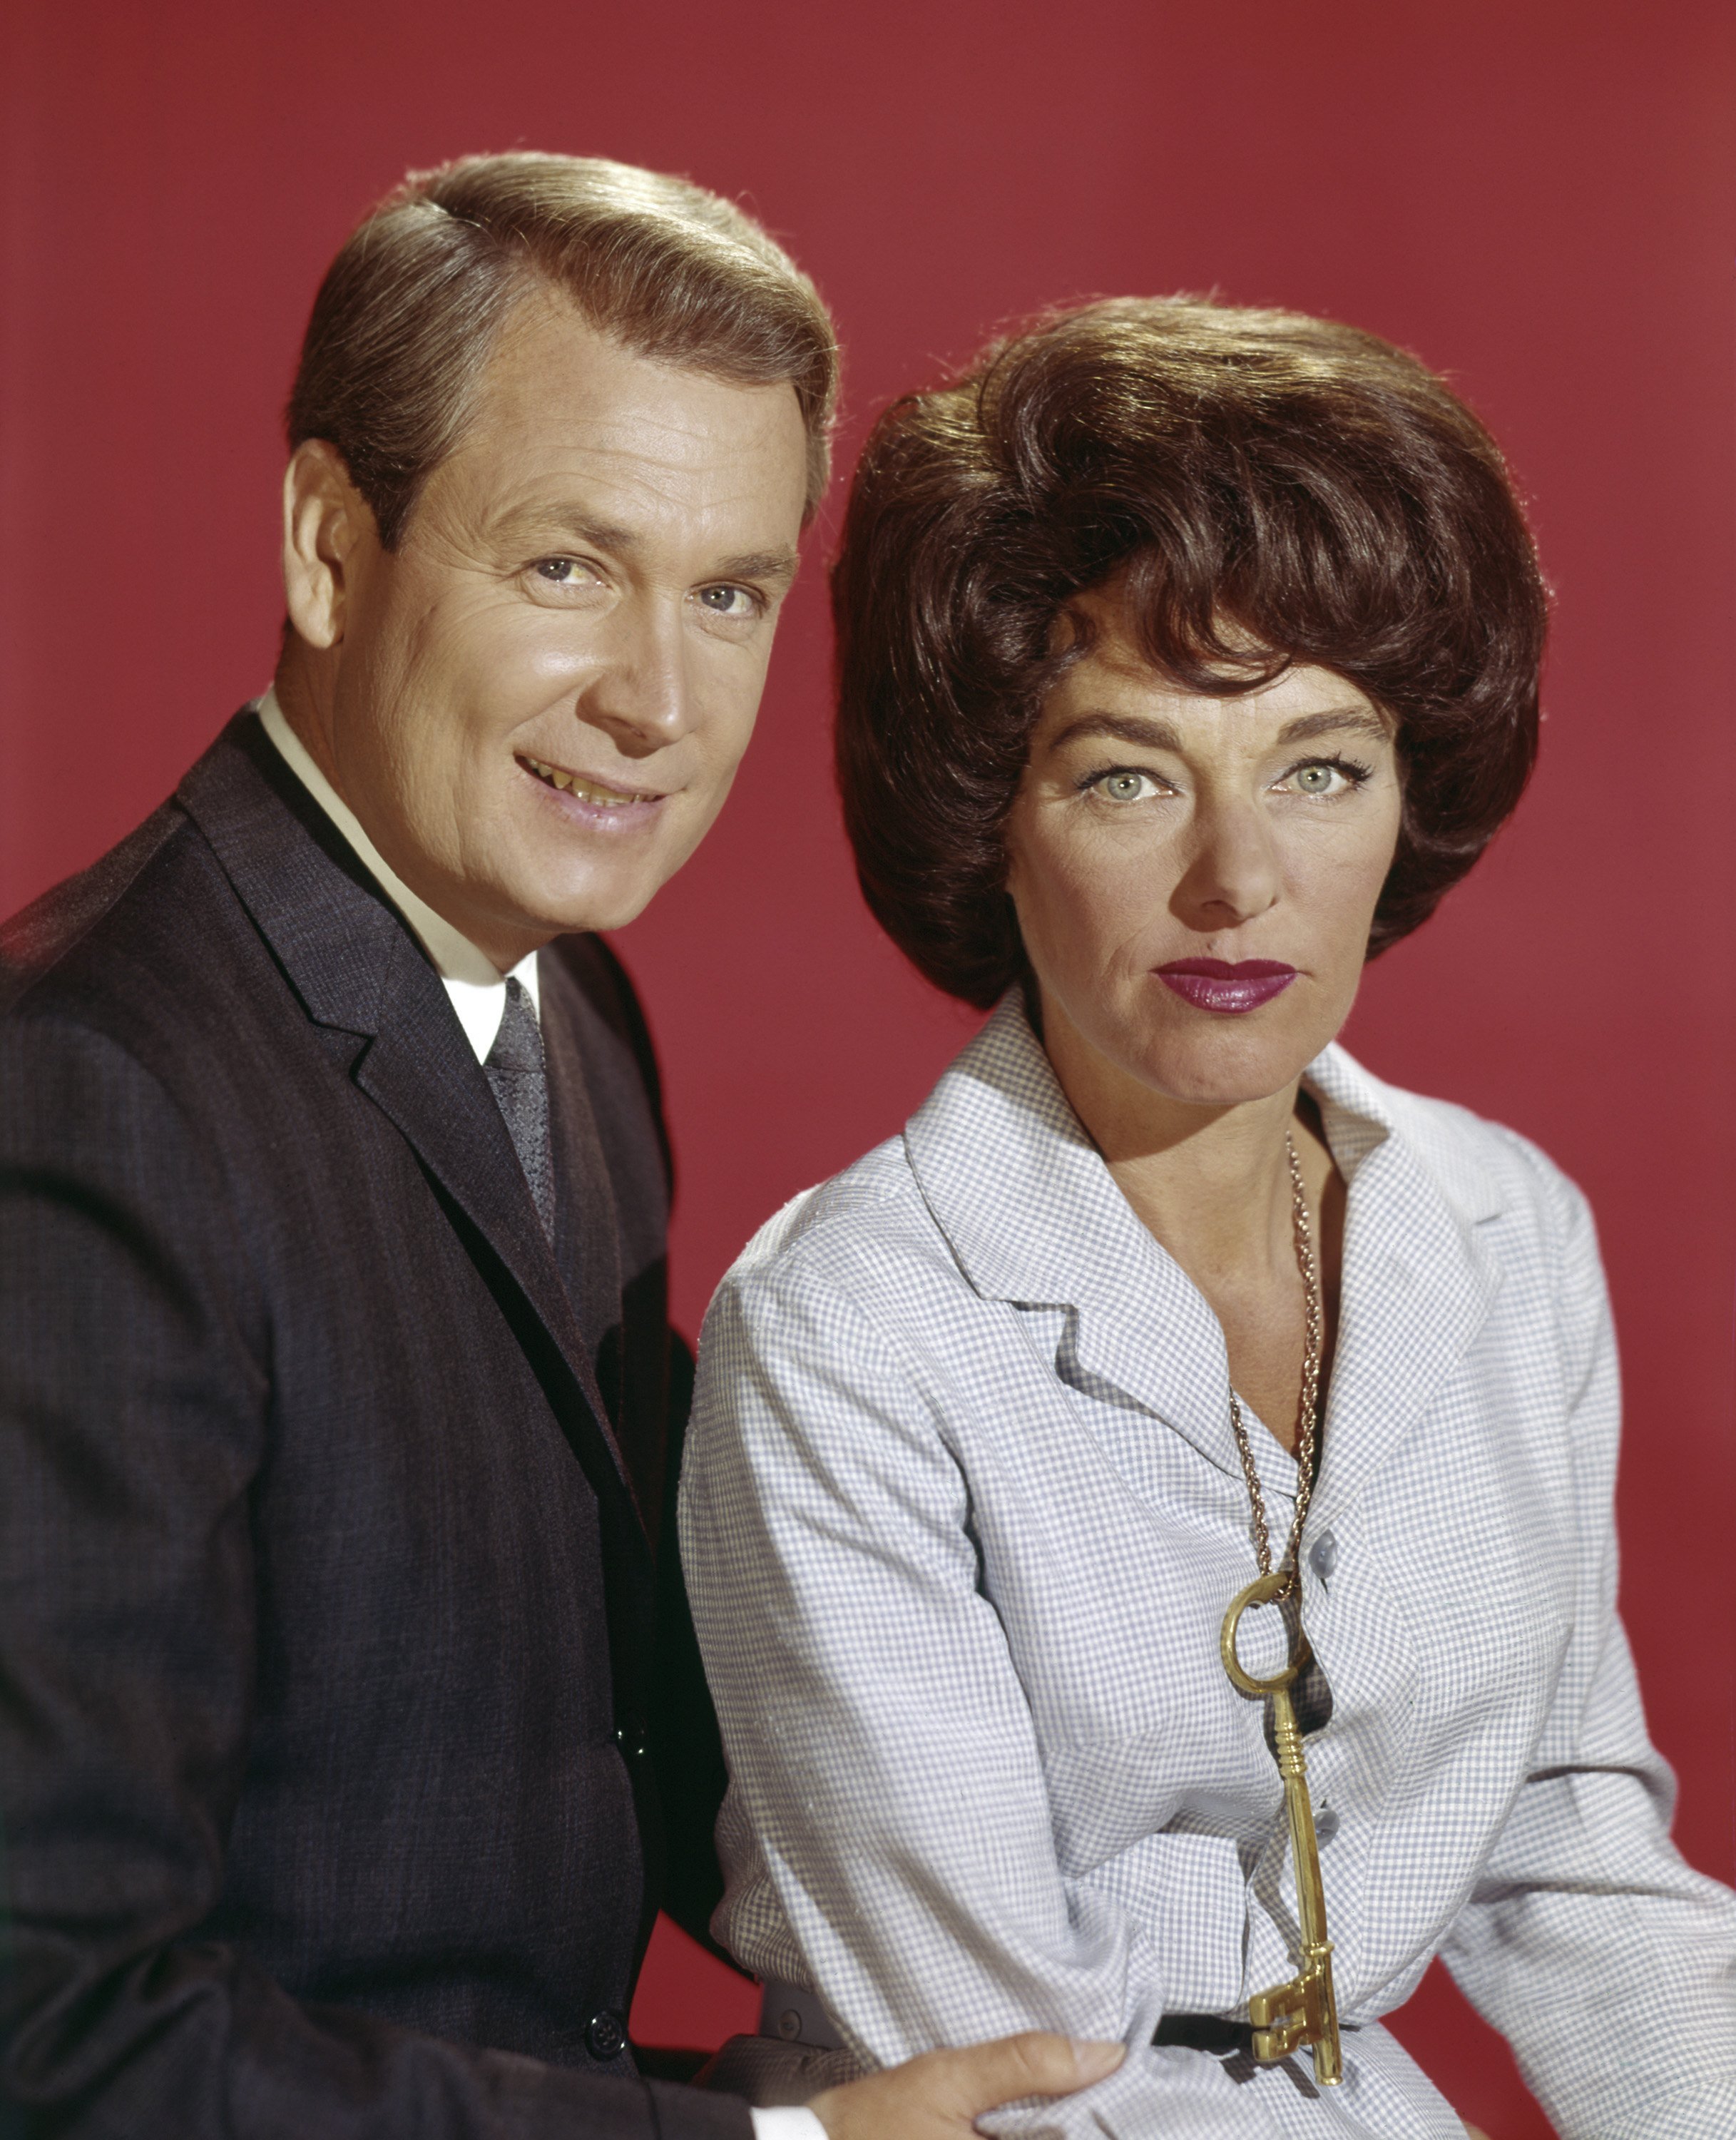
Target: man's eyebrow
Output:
[(566, 520), (779, 564), (558, 520)]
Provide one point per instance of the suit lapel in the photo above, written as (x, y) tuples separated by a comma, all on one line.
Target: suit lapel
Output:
[(587, 1230), (356, 967), (419, 1071)]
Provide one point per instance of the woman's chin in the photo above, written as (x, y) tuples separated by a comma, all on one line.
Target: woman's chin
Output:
[(1220, 1070)]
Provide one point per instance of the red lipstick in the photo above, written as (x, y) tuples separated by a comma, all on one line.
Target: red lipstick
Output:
[(1211, 984)]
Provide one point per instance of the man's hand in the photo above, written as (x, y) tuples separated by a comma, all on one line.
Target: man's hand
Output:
[(940, 2095)]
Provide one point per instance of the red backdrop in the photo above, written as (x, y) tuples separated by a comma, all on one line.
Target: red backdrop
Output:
[(1536, 197)]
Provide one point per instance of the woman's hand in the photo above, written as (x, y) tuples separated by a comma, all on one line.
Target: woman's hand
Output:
[(940, 2095)]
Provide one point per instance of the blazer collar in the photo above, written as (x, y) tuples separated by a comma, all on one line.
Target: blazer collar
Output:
[(1033, 1217), (357, 968)]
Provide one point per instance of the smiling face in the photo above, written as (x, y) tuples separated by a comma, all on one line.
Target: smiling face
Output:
[(1195, 876), (536, 705)]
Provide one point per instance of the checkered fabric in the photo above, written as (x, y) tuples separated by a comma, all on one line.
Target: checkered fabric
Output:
[(961, 1516)]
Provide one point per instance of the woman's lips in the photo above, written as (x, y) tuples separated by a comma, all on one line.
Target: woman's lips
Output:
[(1211, 984)]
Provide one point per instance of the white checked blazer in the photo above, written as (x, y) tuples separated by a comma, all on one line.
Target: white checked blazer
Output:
[(960, 1518)]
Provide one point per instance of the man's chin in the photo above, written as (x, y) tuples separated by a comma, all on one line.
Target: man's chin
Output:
[(574, 909)]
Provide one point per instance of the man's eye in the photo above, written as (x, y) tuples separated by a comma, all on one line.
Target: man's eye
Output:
[(730, 601), (564, 572), (1125, 787)]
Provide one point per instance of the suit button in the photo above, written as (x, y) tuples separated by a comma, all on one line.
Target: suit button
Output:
[(1323, 1556), (606, 2037), (632, 1735)]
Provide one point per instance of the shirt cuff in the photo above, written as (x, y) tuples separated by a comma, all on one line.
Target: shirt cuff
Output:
[(792, 2123)]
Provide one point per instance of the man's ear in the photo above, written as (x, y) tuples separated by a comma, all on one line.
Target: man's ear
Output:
[(326, 521)]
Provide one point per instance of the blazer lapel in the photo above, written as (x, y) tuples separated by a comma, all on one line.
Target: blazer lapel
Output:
[(1034, 1218), (356, 967), (1419, 1281)]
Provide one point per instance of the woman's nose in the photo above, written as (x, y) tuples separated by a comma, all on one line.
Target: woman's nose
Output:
[(1232, 875)]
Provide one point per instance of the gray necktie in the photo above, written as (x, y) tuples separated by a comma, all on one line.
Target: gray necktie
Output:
[(519, 1076)]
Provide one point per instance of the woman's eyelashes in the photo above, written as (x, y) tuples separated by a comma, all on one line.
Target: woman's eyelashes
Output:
[(1125, 783), (1324, 777), (1321, 778)]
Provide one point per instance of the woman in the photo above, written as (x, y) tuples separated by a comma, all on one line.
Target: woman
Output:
[(1187, 656)]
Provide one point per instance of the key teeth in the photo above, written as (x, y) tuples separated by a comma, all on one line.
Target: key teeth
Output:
[(1302, 2012)]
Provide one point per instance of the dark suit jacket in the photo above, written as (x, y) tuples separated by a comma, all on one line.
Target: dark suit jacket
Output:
[(326, 1641)]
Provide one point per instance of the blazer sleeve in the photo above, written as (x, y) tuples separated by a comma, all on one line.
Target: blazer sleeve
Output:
[(134, 1411), (882, 1758), (1607, 1962)]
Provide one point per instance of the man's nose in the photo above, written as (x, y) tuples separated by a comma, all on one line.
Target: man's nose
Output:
[(1233, 874), (642, 695)]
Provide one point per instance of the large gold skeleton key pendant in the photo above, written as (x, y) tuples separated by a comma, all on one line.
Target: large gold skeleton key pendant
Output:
[(1305, 2010)]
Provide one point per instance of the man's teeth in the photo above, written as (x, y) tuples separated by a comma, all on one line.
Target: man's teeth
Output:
[(586, 790)]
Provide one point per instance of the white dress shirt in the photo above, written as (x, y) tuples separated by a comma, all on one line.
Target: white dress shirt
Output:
[(479, 991), (961, 1516)]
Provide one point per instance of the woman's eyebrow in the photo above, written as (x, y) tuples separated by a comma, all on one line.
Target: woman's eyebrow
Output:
[(1158, 735), (1339, 721), (1124, 728)]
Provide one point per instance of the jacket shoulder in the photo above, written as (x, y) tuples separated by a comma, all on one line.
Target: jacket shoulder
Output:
[(1482, 1168), (866, 1233), (40, 935)]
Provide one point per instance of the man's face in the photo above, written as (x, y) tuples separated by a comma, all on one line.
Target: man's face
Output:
[(538, 701)]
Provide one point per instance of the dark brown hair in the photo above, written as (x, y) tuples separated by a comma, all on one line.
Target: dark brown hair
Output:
[(410, 309), (1262, 480)]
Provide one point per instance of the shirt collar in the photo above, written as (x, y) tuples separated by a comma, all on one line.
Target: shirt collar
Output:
[(1034, 1217), (475, 985)]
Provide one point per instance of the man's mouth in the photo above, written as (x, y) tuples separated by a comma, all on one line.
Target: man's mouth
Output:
[(585, 791)]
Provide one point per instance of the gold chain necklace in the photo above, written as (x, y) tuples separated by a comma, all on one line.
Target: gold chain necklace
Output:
[(1309, 1394), (1305, 2010)]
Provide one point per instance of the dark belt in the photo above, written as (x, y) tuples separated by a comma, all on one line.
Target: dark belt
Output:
[(1205, 2032)]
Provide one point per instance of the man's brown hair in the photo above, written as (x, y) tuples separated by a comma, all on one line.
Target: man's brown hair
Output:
[(411, 308), (1255, 480)]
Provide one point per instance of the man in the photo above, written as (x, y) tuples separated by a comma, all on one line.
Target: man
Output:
[(333, 1367)]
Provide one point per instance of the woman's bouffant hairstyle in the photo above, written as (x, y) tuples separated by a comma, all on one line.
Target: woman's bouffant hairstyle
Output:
[(1271, 489), (411, 308)]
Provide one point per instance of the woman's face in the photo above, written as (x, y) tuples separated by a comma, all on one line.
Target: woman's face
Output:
[(1194, 876)]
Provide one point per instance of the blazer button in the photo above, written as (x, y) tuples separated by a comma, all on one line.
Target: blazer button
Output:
[(632, 1735), (606, 2037), (1323, 1556)]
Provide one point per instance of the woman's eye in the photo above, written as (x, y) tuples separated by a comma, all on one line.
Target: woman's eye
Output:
[(1125, 787), (1325, 775)]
